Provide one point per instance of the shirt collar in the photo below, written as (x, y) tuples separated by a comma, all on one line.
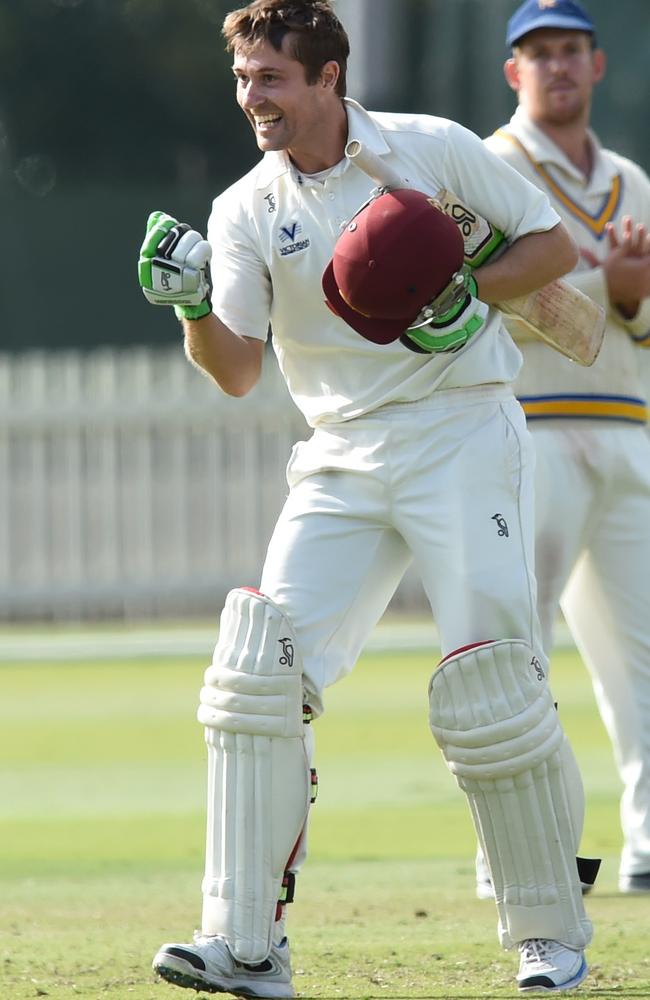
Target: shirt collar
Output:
[(544, 151)]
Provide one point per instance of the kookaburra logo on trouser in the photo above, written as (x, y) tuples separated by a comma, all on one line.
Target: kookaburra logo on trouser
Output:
[(502, 525), (286, 660)]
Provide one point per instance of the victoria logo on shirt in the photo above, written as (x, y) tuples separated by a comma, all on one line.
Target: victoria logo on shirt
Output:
[(290, 239)]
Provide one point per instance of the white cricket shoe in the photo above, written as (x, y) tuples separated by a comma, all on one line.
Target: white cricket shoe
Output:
[(208, 965), (634, 884), (549, 967)]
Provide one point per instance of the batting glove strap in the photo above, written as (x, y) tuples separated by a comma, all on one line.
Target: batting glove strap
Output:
[(193, 312), (436, 337), (174, 266)]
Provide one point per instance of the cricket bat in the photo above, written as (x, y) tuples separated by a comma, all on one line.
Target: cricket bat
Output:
[(557, 313)]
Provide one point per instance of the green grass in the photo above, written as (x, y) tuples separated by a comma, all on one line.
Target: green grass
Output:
[(101, 833)]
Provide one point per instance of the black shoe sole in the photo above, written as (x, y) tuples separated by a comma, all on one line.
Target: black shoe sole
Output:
[(200, 985), (543, 984)]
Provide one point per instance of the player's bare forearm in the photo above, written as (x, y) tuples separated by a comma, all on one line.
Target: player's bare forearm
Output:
[(235, 363), (531, 262), (174, 270)]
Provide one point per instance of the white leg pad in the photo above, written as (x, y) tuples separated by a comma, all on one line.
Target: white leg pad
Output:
[(259, 780), (493, 717)]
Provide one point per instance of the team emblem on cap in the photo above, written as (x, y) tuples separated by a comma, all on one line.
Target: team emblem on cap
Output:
[(532, 15)]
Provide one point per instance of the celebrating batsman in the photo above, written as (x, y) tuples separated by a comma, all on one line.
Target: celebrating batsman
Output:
[(419, 452), (588, 424)]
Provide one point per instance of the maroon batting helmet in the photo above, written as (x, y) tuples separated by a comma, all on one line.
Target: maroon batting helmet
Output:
[(397, 254)]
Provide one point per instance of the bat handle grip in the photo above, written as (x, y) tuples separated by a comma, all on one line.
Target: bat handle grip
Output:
[(353, 149)]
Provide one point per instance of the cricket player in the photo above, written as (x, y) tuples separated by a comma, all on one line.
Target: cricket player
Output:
[(588, 424), (417, 454)]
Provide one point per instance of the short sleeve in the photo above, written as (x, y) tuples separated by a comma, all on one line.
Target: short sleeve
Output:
[(242, 292), (494, 189)]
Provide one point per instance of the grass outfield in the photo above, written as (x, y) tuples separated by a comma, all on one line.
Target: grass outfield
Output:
[(101, 832)]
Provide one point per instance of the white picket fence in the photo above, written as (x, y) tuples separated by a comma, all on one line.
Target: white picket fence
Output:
[(131, 487)]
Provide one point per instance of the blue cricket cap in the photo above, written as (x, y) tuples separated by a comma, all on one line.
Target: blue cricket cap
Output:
[(535, 14)]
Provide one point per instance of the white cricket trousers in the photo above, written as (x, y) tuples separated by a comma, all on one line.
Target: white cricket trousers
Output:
[(593, 513), (446, 482)]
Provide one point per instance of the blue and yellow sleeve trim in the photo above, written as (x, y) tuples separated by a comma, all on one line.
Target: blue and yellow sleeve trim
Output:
[(628, 409)]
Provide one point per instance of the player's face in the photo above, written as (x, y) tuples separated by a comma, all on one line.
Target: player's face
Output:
[(284, 111), (553, 72)]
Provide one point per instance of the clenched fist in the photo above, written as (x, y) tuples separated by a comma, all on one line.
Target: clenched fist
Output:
[(174, 267)]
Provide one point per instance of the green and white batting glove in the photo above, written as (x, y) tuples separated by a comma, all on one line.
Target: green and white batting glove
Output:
[(447, 323), (174, 267)]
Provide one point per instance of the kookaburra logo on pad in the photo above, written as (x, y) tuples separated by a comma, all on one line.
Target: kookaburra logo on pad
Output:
[(537, 667), (286, 660)]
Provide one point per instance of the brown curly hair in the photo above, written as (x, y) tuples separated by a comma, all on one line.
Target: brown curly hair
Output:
[(317, 34)]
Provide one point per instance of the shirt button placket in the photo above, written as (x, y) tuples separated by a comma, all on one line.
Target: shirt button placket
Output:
[(335, 220)]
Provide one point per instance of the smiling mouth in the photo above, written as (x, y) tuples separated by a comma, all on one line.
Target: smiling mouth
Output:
[(263, 122)]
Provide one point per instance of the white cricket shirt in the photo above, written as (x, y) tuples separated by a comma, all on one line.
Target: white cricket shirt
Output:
[(273, 233), (551, 386)]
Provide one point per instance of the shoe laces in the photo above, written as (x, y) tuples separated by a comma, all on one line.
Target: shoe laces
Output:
[(538, 949), (198, 937)]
